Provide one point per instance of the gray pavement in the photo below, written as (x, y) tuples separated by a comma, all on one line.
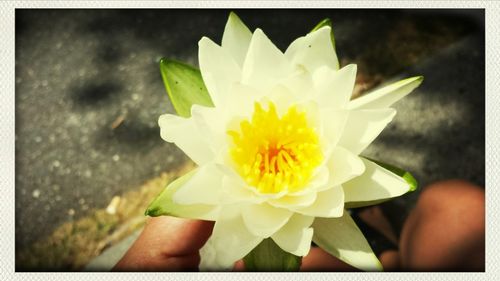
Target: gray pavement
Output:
[(79, 72)]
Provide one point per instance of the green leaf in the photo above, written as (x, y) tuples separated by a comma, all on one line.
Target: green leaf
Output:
[(400, 172), (163, 205), (184, 86), (268, 256), (325, 22), (342, 238)]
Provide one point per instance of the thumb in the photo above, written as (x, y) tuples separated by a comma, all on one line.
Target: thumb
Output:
[(167, 244)]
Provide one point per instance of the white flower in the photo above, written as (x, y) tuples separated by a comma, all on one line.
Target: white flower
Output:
[(281, 147)]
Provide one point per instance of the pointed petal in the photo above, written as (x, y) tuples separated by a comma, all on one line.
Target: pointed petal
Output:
[(300, 83), (203, 187), (341, 238), (242, 101), (334, 87), (386, 96), (236, 38), (185, 134), (363, 127), (265, 63), (313, 50), (328, 204), (292, 202), (344, 165), (210, 122), (295, 237), (164, 205), (263, 219), (230, 241), (218, 69), (333, 123), (376, 183), (235, 190)]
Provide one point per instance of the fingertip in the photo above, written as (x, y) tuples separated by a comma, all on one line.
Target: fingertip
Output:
[(177, 236), (319, 260), (239, 266)]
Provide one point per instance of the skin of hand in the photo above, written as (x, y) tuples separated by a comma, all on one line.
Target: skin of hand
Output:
[(167, 244), (173, 244)]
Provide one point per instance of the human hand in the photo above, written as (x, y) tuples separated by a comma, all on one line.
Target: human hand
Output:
[(173, 244), (167, 244)]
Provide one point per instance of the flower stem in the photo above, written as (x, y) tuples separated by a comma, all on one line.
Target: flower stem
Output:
[(268, 256)]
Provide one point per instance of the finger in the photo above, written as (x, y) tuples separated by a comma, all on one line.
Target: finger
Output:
[(239, 266), (167, 243), (390, 260), (319, 260), (176, 236)]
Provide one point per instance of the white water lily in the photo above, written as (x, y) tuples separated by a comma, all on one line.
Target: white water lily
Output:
[(278, 154)]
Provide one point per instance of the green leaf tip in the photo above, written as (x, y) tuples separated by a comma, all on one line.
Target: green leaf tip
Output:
[(164, 205), (324, 22), (184, 86), (407, 176), (268, 256)]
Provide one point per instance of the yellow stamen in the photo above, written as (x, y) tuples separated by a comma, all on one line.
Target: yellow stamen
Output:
[(276, 154)]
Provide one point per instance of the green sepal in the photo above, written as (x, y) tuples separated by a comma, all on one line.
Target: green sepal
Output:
[(184, 86), (325, 22), (268, 256), (163, 205), (405, 175)]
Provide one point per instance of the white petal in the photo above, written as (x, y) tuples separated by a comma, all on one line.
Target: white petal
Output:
[(164, 203), (230, 241), (242, 101), (263, 219), (374, 184), (211, 123), (363, 126), (334, 87), (295, 237), (300, 84), (333, 123), (236, 38), (329, 203), (313, 50), (282, 97), (203, 187), (265, 64), (185, 134), (292, 202), (218, 69), (386, 96), (235, 190), (341, 238), (344, 165)]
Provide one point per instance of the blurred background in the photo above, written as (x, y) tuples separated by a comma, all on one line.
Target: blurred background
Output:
[(89, 157)]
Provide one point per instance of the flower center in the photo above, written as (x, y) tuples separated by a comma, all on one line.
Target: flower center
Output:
[(276, 154)]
